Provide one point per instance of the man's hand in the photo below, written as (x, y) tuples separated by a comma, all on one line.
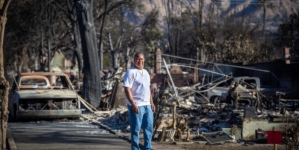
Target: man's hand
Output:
[(153, 107), (135, 109)]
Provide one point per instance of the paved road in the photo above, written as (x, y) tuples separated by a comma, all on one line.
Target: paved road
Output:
[(59, 135)]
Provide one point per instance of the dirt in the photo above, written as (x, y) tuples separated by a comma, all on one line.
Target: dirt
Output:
[(231, 146)]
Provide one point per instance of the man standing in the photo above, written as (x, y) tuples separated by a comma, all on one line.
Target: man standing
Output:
[(140, 103)]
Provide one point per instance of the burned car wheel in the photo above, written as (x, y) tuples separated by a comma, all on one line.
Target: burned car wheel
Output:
[(215, 100)]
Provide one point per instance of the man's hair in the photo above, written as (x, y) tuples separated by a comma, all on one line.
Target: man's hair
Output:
[(138, 53)]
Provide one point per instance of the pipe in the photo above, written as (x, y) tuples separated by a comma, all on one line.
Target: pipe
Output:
[(217, 63)]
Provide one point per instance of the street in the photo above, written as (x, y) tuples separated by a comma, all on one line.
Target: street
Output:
[(43, 135)]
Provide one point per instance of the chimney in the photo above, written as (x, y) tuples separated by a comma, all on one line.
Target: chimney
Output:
[(158, 61), (287, 55)]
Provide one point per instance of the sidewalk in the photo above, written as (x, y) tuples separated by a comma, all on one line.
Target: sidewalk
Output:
[(10, 141), (156, 145), (165, 146)]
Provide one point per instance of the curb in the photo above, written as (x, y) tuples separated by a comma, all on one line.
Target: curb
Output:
[(10, 141), (115, 133), (111, 131), (127, 138)]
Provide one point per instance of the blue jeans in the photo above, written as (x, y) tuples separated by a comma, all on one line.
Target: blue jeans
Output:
[(144, 119)]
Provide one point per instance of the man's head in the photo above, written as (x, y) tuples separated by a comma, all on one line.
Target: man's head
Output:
[(139, 60)]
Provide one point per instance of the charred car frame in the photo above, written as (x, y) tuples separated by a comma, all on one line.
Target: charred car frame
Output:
[(43, 95)]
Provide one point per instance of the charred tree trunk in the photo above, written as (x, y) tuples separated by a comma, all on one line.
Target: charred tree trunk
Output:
[(264, 20), (49, 47), (113, 52), (49, 17), (76, 34), (72, 16), (78, 47), (128, 59), (169, 28), (4, 85), (101, 55), (101, 37), (41, 53), (91, 68), (201, 3)]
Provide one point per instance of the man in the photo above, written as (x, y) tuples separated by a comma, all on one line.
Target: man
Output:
[(140, 103)]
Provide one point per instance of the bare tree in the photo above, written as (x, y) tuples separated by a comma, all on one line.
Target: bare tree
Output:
[(69, 10), (169, 6), (265, 4), (288, 30), (41, 28), (107, 7), (101, 36), (114, 52), (4, 85), (151, 35)]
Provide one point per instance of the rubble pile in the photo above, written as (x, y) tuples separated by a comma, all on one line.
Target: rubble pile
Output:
[(118, 119), (212, 106), (218, 104)]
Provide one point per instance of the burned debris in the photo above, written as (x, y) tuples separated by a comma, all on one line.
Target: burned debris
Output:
[(203, 103), (218, 107)]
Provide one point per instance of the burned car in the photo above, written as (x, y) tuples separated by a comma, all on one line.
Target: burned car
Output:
[(243, 89), (43, 95)]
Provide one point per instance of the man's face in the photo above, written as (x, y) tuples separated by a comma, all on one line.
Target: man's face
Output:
[(139, 61)]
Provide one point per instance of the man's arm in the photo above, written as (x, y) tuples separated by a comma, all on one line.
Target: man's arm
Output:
[(131, 100)]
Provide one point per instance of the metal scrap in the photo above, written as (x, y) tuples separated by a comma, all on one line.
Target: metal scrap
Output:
[(188, 108)]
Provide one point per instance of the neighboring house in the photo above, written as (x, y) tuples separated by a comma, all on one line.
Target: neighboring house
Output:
[(60, 63)]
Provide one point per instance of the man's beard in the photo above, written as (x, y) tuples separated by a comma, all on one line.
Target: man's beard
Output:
[(139, 65)]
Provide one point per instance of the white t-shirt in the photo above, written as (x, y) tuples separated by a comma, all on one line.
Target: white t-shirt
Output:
[(139, 82)]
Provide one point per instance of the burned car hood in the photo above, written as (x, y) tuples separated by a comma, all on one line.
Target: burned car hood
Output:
[(25, 94)]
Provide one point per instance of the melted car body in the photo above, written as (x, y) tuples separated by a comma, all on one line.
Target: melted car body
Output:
[(43, 95)]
